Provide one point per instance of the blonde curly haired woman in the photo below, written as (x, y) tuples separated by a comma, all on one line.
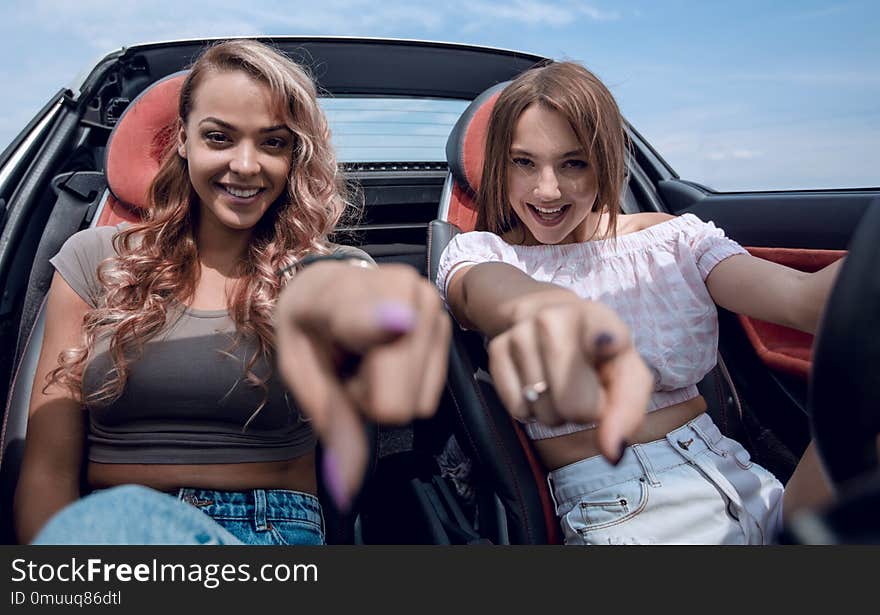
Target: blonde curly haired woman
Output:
[(157, 365)]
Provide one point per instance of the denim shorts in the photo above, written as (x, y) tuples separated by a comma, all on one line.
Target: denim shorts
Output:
[(695, 486), (262, 516)]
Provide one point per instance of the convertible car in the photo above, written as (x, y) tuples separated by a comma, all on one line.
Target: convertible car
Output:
[(407, 118)]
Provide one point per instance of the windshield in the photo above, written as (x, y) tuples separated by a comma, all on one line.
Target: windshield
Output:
[(391, 129)]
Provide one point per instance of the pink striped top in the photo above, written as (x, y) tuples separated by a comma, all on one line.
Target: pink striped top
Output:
[(654, 279)]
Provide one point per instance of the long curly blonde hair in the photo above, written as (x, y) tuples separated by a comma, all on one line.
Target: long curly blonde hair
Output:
[(157, 260)]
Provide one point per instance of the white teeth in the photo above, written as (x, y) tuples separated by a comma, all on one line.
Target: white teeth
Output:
[(547, 211), (243, 194)]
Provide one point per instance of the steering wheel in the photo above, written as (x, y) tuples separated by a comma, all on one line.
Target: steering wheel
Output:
[(844, 396)]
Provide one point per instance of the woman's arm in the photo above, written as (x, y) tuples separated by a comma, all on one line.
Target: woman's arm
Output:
[(50, 473), (543, 333), (762, 289), (492, 297)]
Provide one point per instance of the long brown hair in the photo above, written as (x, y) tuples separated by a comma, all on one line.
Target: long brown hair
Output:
[(577, 94), (157, 259)]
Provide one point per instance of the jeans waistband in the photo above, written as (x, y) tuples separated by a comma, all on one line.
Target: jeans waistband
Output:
[(639, 461), (259, 504)]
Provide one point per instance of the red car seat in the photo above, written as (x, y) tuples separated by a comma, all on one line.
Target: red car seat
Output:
[(136, 148), (507, 463)]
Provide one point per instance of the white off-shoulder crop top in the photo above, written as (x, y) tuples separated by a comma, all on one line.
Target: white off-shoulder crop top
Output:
[(654, 279)]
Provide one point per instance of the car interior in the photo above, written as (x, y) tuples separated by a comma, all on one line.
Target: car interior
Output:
[(467, 475)]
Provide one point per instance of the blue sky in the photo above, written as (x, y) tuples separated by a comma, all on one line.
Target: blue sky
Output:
[(735, 95)]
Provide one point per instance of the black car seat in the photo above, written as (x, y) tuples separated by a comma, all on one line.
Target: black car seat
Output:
[(507, 463), (133, 155)]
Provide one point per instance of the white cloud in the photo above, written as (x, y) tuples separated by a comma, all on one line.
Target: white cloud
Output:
[(785, 157), (597, 14), (734, 144), (745, 154), (534, 12), (822, 78), (105, 24), (822, 12), (336, 17), (524, 11), (733, 154)]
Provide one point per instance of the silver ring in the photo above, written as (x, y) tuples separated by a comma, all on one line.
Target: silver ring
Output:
[(531, 392)]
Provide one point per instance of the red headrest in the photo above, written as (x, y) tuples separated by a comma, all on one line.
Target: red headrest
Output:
[(136, 145), (464, 154)]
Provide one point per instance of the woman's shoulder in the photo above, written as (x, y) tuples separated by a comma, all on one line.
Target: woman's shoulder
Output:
[(78, 259), (633, 223), (662, 225), (95, 243), (96, 234), (480, 243), (474, 247), (707, 244), (350, 252), (642, 221), (485, 236)]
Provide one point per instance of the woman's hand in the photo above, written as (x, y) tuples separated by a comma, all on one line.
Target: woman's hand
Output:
[(573, 357), (571, 360), (357, 344)]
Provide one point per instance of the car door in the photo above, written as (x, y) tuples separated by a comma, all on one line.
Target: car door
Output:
[(768, 364), (21, 171)]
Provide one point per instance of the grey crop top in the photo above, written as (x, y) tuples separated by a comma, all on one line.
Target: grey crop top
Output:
[(187, 399)]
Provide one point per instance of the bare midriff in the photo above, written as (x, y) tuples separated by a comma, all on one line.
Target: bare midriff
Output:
[(295, 474), (563, 450)]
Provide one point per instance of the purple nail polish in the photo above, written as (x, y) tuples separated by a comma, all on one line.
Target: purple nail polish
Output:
[(603, 341), (333, 481), (623, 446), (395, 317)]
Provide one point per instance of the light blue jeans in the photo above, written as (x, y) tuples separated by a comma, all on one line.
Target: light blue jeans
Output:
[(132, 514), (695, 486)]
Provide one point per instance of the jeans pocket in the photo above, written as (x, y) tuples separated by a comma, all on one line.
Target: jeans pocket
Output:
[(296, 532), (606, 507)]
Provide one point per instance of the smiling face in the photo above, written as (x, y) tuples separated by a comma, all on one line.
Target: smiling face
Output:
[(551, 184), (238, 150)]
